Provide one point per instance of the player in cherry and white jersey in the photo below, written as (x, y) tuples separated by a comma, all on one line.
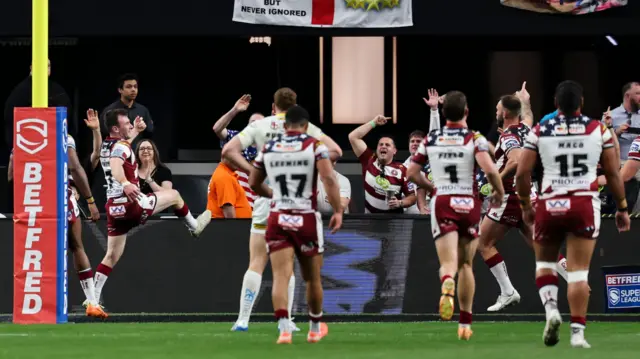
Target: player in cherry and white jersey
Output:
[(126, 206), (292, 163), (259, 133), (568, 207), (453, 152), (508, 215)]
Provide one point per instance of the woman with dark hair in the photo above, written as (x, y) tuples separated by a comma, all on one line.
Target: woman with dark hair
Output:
[(154, 175)]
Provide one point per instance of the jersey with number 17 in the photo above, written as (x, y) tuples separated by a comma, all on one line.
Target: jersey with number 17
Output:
[(289, 162), (451, 151)]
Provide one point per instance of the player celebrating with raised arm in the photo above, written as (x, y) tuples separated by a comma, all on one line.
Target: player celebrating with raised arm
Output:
[(126, 206), (455, 207), (568, 208), (258, 133), (293, 162)]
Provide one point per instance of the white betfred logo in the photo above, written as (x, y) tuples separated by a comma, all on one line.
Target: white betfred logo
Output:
[(38, 141), (32, 261), (65, 139)]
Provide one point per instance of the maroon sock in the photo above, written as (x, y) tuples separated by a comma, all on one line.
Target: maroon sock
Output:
[(181, 212), (85, 274), (281, 314), (103, 269), (560, 257), (580, 322), (494, 260), (315, 318), (465, 317)]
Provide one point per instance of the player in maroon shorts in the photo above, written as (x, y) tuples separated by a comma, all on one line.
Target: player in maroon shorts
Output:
[(292, 163), (508, 215), (568, 207), (126, 206), (452, 153)]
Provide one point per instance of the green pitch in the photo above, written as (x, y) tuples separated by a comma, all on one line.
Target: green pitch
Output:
[(345, 340)]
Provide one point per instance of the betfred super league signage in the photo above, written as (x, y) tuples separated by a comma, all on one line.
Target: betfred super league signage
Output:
[(40, 215)]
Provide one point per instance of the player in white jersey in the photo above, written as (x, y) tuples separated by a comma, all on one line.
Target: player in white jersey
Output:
[(259, 133), (570, 147), (324, 206), (292, 162), (455, 207)]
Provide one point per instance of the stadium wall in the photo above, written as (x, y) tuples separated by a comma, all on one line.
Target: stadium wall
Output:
[(379, 266)]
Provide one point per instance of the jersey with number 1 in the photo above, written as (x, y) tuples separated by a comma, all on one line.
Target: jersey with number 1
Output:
[(290, 164), (570, 150), (451, 151)]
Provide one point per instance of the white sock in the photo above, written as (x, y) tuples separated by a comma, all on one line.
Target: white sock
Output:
[(314, 326), (89, 288), (283, 325), (250, 288), (191, 222), (561, 268), (291, 293), (499, 271), (549, 297), (100, 279)]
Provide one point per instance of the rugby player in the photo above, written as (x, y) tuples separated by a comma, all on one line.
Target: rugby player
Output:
[(292, 162), (453, 152), (126, 206), (568, 208), (258, 133), (508, 215)]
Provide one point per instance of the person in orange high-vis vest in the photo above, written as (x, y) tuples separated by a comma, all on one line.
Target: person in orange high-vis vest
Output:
[(226, 198)]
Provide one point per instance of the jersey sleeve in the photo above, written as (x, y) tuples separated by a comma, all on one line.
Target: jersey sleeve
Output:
[(365, 157), (634, 149), (121, 150), (408, 188), (321, 151), (314, 131), (421, 157), (531, 141), (345, 186), (71, 143), (607, 138), (480, 143), (230, 135), (509, 142), (259, 161), (248, 135)]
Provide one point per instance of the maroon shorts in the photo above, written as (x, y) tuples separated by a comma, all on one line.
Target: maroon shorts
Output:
[(123, 215), (508, 213), (559, 216), (455, 213), (73, 211), (302, 231)]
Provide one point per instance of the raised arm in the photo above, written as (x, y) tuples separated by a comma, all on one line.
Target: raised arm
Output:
[(356, 136), (93, 122), (220, 127)]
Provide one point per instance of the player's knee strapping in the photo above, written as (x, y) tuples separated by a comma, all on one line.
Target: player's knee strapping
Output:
[(578, 276)]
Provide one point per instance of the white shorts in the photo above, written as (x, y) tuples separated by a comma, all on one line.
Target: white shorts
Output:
[(260, 214)]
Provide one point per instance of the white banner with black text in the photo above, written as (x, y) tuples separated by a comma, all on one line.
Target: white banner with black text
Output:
[(325, 13)]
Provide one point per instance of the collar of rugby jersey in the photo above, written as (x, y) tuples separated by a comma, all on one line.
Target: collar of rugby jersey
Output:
[(281, 115), (227, 169)]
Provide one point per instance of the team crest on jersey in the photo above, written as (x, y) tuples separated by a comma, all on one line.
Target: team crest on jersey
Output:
[(558, 205), (274, 126)]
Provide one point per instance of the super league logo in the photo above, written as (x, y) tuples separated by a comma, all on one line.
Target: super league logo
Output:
[(37, 137)]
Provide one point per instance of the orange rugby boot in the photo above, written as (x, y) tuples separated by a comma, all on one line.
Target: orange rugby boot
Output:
[(464, 333), (96, 311), (314, 337), (285, 338), (447, 304)]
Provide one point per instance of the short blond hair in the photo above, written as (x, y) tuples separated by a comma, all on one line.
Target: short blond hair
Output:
[(285, 98)]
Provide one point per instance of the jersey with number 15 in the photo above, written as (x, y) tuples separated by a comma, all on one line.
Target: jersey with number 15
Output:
[(451, 151), (290, 164)]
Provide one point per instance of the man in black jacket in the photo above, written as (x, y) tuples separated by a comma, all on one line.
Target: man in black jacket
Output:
[(21, 97)]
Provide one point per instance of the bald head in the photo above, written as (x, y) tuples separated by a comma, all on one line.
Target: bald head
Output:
[(256, 116)]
